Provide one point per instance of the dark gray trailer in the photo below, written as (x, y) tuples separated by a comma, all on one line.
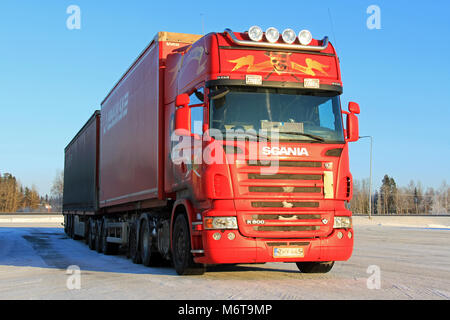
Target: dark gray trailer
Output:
[(81, 158)]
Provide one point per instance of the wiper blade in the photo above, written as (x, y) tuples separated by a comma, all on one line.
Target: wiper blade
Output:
[(312, 136), (236, 134)]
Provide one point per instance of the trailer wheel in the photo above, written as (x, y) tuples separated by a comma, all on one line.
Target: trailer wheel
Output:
[(98, 236), (133, 251), (66, 224), (181, 249), (87, 231), (315, 267), (146, 245), (70, 226), (91, 234)]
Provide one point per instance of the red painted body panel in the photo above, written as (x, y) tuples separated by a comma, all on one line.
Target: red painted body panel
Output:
[(132, 131), (128, 158)]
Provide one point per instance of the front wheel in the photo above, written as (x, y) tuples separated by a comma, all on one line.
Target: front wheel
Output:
[(181, 249), (315, 267)]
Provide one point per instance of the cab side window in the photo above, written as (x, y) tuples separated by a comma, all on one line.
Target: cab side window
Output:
[(196, 98)]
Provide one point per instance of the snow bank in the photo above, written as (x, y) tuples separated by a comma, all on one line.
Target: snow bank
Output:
[(433, 222)]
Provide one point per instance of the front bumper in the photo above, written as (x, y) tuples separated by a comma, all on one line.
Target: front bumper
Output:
[(257, 250)]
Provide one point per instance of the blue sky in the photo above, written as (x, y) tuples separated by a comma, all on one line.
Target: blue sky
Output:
[(53, 78)]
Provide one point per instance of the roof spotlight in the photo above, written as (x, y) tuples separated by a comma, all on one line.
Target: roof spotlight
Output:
[(289, 36), (305, 37), (272, 35), (255, 33)]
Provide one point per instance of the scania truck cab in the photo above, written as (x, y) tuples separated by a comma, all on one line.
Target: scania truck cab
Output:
[(265, 160)]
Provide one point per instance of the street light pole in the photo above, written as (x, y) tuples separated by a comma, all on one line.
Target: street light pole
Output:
[(370, 178)]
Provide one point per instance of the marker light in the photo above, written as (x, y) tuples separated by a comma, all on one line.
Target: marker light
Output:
[(255, 33), (342, 222), (272, 35), (305, 37), (289, 36), (220, 223)]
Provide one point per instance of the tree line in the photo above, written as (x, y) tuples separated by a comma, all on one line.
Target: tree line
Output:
[(16, 198), (389, 199), (393, 199)]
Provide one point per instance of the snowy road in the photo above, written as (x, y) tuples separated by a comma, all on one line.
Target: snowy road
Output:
[(413, 263)]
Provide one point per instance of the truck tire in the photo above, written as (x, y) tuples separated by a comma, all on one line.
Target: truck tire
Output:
[(66, 224), (98, 236), (315, 267), (70, 226), (133, 248), (181, 249), (86, 231), (91, 234), (146, 240)]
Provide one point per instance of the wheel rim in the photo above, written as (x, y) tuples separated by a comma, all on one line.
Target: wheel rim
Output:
[(104, 236), (180, 248), (145, 239)]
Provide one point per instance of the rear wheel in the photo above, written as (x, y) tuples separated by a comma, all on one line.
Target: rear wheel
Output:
[(70, 226), (66, 224), (133, 252), (146, 244), (91, 240), (86, 231), (181, 249), (315, 267), (98, 236)]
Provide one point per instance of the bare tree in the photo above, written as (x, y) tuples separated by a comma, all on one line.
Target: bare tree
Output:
[(57, 190)]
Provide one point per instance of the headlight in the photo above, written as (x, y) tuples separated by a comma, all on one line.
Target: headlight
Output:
[(305, 37), (220, 223), (289, 36), (342, 222), (255, 33), (272, 35)]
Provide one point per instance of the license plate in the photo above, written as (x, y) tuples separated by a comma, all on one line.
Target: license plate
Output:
[(291, 252)]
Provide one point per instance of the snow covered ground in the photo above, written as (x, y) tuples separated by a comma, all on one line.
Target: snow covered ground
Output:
[(390, 261)]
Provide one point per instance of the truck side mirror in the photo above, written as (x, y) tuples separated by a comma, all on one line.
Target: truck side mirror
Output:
[(352, 127), (352, 122), (183, 114), (353, 107)]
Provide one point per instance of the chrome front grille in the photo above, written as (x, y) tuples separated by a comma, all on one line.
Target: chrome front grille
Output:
[(300, 179), (284, 203)]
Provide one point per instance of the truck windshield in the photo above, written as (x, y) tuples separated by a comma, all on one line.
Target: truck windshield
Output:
[(295, 115)]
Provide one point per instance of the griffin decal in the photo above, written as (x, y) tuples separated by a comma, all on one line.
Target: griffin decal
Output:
[(279, 62)]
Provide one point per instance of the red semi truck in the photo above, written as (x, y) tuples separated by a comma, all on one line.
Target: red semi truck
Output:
[(223, 148)]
